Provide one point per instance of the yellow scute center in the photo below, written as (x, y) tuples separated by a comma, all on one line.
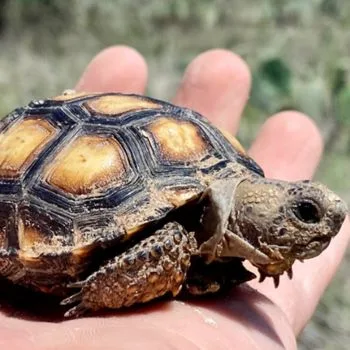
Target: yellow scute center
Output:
[(178, 140), (21, 143), (118, 104), (88, 164)]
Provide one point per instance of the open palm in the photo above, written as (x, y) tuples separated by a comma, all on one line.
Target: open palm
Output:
[(288, 147)]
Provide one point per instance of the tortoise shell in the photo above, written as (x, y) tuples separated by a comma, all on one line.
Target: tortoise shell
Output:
[(83, 171)]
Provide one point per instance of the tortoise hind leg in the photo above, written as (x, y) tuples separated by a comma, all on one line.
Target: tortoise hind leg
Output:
[(150, 269)]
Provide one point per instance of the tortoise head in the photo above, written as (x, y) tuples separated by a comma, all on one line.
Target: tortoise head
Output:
[(286, 220)]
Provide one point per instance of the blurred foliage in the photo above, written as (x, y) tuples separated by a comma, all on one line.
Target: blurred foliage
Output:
[(271, 89), (298, 52)]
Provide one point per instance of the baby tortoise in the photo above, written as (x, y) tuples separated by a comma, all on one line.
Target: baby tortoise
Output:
[(128, 198)]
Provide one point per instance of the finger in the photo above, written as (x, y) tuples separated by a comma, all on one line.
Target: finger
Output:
[(216, 84), (115, 69), (289, 147)]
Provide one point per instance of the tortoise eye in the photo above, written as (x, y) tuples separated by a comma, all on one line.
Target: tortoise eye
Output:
[(307, 212)]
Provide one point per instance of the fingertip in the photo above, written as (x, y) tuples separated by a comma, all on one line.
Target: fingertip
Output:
[(216, 84), (217, 63), (289, 146), (117, 68), (298, 123)]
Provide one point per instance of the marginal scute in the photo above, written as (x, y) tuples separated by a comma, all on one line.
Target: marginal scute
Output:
[(233, 141), (27, 258), (3, 240), (21, 143), (29, 238), (80, 255), (90, 164), (33, 242), (138, 216), (71, 95), (178, 140), (114, 105), (132, 229), (180, 196), (82, 252), (8, 229)]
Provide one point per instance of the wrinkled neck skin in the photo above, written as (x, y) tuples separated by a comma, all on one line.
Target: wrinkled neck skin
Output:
[(284, 221)]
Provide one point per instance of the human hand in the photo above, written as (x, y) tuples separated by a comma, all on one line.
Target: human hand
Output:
[(288, 147)]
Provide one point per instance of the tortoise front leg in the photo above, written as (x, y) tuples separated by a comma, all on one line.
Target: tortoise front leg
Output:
[(148, 270)]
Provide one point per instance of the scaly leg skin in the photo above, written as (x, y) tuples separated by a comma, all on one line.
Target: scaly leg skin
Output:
[(153, 267), (218, 276)]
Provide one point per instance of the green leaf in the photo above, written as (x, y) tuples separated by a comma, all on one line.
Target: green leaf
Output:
[(271, 88), (343, 106), (277, 73), (339, 80)]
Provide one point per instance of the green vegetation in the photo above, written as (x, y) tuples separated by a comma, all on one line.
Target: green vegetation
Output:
[(298, 52)]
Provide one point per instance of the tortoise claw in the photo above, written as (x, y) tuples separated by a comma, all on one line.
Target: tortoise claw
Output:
[(77, 284), (77, 310), (290, 273), (276, 280), (262, 276), (72, 299)]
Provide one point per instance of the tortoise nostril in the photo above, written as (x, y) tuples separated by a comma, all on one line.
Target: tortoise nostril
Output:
[(283, 231)]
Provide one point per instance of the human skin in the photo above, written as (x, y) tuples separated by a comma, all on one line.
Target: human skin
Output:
[(252, 316)]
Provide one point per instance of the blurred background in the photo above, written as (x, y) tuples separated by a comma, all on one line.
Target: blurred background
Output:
[(298, 51)]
